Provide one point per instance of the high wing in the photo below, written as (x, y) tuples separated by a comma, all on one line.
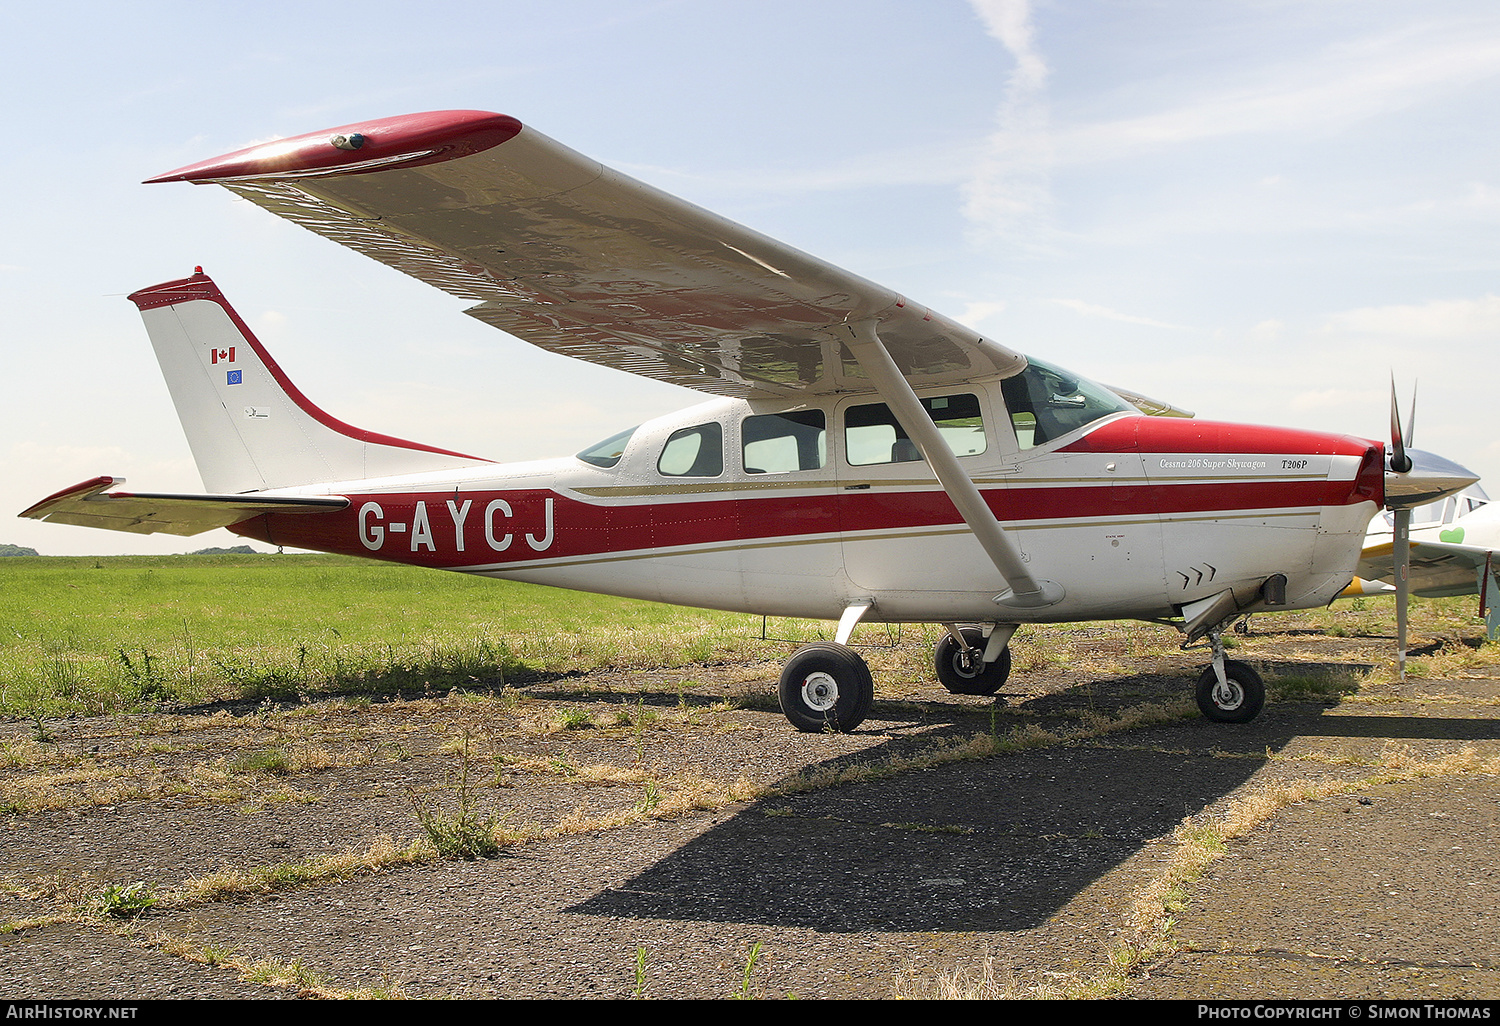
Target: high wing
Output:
[(579, 259), (89, 505)]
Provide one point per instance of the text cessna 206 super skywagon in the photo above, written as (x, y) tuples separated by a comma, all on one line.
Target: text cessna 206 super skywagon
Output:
[(867, 459)]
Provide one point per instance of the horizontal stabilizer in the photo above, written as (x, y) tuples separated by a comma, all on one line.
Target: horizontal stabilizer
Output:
[(89, 505)]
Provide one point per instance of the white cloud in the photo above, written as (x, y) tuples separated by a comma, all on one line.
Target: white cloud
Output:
[(1094, 310), (1011, 189), (975, 312), (1323, 399), (1009, 21), (1346, 83), (1481, 197), (1455, 321), (1266, 332)]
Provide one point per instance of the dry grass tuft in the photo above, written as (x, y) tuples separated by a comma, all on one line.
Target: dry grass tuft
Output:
[(981, 982), (225, 883)]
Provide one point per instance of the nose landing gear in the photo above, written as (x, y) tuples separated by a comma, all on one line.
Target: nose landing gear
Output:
[(1229, 691), (960, 659)]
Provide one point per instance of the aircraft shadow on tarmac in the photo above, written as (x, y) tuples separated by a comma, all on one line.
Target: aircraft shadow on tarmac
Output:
[(991, 845)]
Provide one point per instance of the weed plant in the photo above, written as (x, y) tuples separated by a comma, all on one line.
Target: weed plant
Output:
[(464, 834), (125, 901)]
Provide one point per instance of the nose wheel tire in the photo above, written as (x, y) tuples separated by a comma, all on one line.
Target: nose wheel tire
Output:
[(963, 673), (826, 687), (1238, 700)]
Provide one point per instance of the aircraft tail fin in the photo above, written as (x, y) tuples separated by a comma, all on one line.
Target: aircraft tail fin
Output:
[(249, 427)]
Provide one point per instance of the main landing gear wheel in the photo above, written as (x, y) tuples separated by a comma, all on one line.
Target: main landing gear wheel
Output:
[(1237, 701), (965, 674), (826, 687)]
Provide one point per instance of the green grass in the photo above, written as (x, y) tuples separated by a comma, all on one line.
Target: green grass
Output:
[(93, 635)]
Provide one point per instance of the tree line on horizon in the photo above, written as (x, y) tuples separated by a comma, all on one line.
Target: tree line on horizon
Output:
[(235, 550)]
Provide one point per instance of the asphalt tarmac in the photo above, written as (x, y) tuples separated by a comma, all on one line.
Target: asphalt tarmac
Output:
[(1361, 863)]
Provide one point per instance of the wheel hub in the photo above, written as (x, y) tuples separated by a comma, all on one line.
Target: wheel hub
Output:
[(820, 691), (1228, 696)]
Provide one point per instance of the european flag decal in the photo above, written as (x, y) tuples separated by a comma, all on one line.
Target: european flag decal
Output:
[(234, 376)]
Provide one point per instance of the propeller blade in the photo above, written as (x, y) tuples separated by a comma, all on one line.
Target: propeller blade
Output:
[(1411, 417), (1400, 462)]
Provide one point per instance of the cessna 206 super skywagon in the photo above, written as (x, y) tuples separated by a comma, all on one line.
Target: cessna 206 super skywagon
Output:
[(867, 459)]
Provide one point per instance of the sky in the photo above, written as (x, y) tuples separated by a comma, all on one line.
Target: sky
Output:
[(1260, 210)]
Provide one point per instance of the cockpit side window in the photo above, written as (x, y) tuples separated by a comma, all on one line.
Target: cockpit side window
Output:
[(872, 435), (1046, 402), (784, 443), (608, 452), (693, 452)]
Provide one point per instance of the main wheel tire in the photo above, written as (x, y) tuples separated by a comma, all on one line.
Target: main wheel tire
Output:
[(961, 677), (1240, 702), (826, 687)]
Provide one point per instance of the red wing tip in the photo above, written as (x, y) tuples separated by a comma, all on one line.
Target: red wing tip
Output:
[(406, 140)]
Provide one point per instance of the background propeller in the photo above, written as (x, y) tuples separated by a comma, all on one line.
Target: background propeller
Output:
[(1413, 478)]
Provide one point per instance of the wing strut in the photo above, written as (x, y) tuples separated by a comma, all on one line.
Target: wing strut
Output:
[(1025, 591)]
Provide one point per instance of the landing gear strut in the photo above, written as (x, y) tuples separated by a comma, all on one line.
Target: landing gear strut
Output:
[(1229, 691)]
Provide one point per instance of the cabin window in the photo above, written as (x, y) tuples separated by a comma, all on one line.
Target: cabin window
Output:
[(872, 436), (693, 452), (608, 452), (784, 443), (1046, 402)]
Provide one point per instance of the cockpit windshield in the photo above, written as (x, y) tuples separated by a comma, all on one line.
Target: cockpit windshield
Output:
[(1046, 402), (608, 452)]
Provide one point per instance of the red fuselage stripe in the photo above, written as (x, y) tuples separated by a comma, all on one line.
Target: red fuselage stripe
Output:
[(514, 526)]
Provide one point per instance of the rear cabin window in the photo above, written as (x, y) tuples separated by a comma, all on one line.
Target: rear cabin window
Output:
[(693, 452), (872, 436), (785, 443)]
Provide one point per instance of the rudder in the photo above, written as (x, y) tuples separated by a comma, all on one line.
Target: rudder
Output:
[(250, 428)]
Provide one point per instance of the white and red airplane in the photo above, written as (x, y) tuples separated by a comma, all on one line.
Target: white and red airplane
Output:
[(867, 459)]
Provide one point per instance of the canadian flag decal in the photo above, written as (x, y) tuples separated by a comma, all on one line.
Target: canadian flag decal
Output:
[(227, 355)]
